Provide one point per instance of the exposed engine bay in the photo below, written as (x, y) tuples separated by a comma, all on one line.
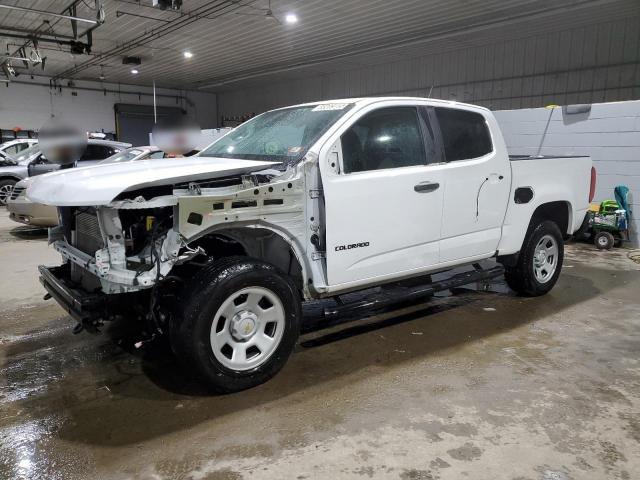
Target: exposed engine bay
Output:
[(136, 254), (134, 242)]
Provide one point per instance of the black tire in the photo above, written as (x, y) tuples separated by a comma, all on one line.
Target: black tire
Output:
[(522, 278), (4, 184), (604, 241), (206, 293)]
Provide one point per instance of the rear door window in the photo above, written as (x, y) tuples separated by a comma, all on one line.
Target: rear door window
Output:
[(465, 134)]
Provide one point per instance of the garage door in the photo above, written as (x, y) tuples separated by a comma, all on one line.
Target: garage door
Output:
[(135, 122)]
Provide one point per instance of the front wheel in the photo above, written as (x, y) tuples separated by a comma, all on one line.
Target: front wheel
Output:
[(239, 324), (6, 188), (539, 262)]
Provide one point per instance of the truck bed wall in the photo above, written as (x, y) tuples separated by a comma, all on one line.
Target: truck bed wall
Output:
[(552, 180), (609, 134)]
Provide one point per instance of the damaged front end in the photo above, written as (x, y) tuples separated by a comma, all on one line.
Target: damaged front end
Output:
[(121, 258), (118, 250), (113, 254)]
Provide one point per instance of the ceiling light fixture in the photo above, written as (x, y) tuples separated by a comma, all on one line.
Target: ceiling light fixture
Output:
[(291, 18), (134, 71), (188, 54)]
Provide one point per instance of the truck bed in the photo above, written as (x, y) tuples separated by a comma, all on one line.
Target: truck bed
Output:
[(563, 180)]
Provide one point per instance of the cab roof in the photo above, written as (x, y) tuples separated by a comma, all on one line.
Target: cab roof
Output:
[(362, 101)]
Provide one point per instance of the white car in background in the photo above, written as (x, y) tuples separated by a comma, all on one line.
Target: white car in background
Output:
[(22, 210), (14, 147), (135, 153)]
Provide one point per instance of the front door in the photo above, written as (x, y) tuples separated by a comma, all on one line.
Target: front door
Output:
[(41, 165), (384, 202)]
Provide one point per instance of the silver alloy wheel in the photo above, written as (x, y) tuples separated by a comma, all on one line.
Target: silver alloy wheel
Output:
[(545, 259), (247, 328), (5, 193)]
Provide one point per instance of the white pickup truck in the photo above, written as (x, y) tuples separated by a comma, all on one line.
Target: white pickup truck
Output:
[(306, 202)]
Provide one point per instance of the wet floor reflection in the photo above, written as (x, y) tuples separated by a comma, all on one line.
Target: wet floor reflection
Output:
[(88, 391)]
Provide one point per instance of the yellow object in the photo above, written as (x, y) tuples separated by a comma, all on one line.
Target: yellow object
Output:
[(150, 222), (594, 207)]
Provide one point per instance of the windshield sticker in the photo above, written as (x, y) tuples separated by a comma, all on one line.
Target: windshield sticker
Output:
[(330, 106), (294, 150)]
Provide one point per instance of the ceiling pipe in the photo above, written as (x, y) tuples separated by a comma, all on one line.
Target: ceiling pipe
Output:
[(218, 8), (56, 86), (49, 14)]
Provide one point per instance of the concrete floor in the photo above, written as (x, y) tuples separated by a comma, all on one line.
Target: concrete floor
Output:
[(473, 385)]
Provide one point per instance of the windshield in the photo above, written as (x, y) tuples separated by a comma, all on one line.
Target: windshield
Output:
[(278, 136), (124, 156), (27, 153)]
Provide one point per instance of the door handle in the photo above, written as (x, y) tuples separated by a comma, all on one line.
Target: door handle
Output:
[(426, 187), (495, 177)]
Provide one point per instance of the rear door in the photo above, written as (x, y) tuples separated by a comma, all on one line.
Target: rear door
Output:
[(383, 199), (478, 181)]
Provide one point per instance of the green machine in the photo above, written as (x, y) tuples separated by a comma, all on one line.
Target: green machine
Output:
[(608, 223)]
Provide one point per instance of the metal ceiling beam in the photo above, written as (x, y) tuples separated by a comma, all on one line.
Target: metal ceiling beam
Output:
[(31, 33), (39, 38), (50, 14), (37, 35), (174, 25)]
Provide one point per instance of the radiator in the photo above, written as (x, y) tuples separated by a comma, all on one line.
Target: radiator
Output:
[(88, 237)]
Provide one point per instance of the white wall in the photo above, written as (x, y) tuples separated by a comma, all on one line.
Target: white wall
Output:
[(609, 133), (30, 105)]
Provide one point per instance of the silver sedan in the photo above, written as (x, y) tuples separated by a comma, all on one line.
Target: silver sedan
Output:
[(22, 210)]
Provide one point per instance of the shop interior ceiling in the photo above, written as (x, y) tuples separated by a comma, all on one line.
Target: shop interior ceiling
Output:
[(213, 45)]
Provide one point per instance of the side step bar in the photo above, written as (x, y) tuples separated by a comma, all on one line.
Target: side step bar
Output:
[(391, 296)]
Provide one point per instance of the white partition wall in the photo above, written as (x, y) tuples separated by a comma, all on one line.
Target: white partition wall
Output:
[(608, 132)]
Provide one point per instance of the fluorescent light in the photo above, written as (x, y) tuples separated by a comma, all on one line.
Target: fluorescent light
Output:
[(134, 71), (188, 54), (291, 18)]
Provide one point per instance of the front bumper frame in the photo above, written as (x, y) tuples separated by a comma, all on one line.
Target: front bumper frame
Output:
[(79, 304)]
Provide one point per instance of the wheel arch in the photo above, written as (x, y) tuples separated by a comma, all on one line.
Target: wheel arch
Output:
[(560, 212), (5, 176), (522, 218), (261, 242)]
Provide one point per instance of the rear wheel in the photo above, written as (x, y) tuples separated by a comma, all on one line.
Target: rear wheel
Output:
[(539, 263), (604, 241), (6, 188), (240, 322)]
